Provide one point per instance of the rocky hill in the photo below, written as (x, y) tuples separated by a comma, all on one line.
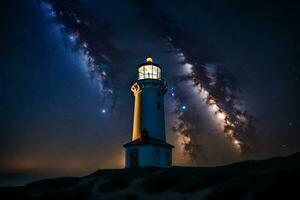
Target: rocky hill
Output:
[(276, 178)]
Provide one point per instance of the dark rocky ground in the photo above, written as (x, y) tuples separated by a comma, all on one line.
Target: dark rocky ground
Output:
[(276, 178)]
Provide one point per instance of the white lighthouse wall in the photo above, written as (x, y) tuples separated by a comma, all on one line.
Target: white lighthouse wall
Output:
[(148, 156), (152, 114)]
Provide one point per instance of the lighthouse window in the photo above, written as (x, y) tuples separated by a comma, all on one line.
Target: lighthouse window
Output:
[(158, 105), (149, 72), (155, 72), (141, 75)]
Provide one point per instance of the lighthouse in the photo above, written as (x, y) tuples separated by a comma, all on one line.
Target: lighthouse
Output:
[(148, 147)]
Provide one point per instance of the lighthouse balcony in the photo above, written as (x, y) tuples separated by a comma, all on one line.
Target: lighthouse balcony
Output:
[(153, 83)]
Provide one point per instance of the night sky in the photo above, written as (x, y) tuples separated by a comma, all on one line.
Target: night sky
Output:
[(66, 69)]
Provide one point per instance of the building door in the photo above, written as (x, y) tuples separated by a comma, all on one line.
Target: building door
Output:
[(134, 158), (156, 156), (168, 157)]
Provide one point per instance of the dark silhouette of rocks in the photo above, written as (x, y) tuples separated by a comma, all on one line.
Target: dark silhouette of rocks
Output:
[(275, 178)]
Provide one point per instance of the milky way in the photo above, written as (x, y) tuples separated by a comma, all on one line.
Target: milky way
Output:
[(89, 37), (210, 84)]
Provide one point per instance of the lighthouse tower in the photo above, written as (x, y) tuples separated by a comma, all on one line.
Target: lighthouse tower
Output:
[(148, 147)]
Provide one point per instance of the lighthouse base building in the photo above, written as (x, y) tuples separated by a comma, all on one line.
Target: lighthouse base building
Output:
[(147, 152), (148, 147)]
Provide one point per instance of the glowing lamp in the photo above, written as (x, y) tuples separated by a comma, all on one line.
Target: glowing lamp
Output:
[(149, 59), (149, 70)]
